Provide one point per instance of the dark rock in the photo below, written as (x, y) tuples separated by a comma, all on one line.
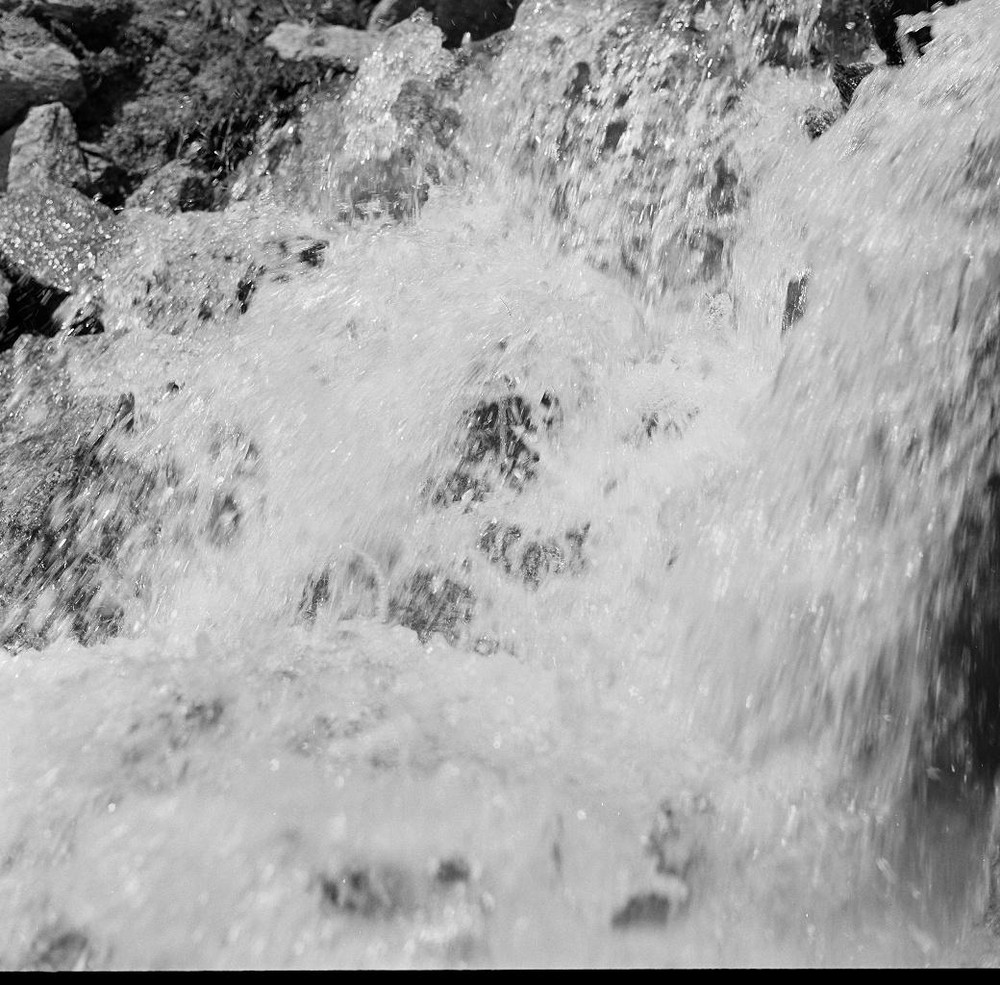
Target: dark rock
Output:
[(539, 558), (453, 870), (817, 121), (496, 435), (650, 909), (795, 301), (32, 309), (671, 842), (882, 15), (373, 892), (45, 146), (58, 948), (431, 603), (456, 18), (34, 70), (847, 78)]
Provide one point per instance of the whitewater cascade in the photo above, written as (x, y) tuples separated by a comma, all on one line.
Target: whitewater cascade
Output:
[(488, 545)]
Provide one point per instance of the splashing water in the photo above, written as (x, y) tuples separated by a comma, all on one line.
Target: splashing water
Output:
[(452, 553)]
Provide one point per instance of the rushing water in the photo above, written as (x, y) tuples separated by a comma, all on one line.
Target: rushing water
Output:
[(513, 520)]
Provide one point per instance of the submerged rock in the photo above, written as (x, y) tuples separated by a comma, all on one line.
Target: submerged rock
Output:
[(429, 603), (46, 146), (58, 948), (34, 70), (176, 187)]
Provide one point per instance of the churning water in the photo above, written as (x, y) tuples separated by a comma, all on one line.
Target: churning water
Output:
[(506, 585)]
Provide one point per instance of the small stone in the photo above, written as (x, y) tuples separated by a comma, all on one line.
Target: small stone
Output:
[(45, 146)]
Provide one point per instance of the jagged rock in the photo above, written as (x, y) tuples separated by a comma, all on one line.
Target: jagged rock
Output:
[(176, 187), (456, 18), (45, 146), (847, 78), (795, 301), (343, 47), (34, 70)]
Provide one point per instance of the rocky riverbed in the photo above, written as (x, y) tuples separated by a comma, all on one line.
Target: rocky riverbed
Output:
[(438, 524)]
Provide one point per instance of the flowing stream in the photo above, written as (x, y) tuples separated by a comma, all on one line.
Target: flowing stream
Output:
[(513, 581)]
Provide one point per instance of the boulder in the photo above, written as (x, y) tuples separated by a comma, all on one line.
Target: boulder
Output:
[(53, 235), (34, 70), (456, 18), (51, 241), (342, 47), (45, 146)]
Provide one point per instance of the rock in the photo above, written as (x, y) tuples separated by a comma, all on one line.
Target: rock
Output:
[(430, 602), (51, 238), (176, 187), (52, 235), (456, 18), (342, 47), (847, 78), (795, 302), (58, 948), (34, 70), (45, 146), (882, 15), (371, 891), (5, 286)]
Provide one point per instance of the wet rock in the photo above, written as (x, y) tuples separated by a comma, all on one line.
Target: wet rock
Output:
[(847, 78), (64, 540), (816, 121), (431, 603), (369, 891), (53, 234), (454, 869), (883, 14), (671, 841), (34, 70), (51, 243), (45, 146), (456, 18), (176, 187), (419, 107), (341, 47), (795, 302), (539, 558), (497, 437), (58, 948)]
